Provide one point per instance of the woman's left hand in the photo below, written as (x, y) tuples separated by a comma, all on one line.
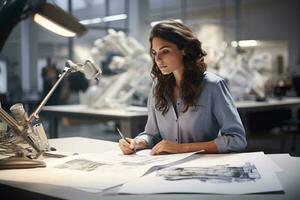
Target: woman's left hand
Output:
[(166, 146)]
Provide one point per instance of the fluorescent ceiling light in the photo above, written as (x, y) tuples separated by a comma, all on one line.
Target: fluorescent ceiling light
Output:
[(114, 17), (104, 19), (234, 43), (157, 22), (91, 21), (248, 43), (52, 26), (245, 43)]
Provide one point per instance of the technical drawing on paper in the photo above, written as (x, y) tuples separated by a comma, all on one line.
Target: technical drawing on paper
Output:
[(215, 174), (142, 160), (80, 164), (117, 163)]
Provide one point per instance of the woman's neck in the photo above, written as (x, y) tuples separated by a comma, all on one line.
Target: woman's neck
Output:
[(178, 77), (176, 88)]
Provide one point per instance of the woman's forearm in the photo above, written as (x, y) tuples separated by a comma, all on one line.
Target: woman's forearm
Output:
[(166, 146), (208, 147)]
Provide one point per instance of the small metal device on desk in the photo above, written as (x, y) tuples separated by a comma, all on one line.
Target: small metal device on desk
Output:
[(25, 140)]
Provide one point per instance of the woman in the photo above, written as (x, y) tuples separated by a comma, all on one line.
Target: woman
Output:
[(189, 109)]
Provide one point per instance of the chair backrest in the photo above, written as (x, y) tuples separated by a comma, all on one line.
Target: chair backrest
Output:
[(296, 84)]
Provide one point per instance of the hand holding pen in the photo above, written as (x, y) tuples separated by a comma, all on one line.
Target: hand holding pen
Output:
[(129, 145)]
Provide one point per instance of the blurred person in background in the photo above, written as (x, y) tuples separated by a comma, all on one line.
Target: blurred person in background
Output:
[(50, 76)]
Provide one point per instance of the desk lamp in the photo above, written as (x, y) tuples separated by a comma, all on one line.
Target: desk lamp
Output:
[(47, 15), (26, 140)]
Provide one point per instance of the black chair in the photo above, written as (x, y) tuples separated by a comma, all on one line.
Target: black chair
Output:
[(296, 84), (291, 126)]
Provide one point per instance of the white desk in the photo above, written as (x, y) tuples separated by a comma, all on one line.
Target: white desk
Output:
[(248, 106), (289, 178), (133, 122)]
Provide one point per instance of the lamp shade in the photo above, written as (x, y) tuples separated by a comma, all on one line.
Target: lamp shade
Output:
[(10, 15), (58, 21)]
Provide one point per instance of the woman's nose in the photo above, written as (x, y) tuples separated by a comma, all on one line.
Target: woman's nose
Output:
[(158, 57)]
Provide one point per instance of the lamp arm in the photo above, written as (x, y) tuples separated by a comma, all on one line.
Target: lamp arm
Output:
[(11, 121), (9, 17), (21, 131), (34, 115)]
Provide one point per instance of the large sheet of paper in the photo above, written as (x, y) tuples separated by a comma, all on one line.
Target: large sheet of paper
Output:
[(219, 174), (92, 172)]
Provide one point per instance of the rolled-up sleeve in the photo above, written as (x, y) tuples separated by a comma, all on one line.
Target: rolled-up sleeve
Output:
[(151, 134), (232, 136)]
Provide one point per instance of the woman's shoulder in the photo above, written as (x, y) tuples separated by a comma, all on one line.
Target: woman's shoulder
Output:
[(212, 82), (211, 78)]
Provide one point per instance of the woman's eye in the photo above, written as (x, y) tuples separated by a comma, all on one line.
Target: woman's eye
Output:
[(165, 51)]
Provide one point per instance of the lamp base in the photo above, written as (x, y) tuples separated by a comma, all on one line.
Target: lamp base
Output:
[(20, 163)]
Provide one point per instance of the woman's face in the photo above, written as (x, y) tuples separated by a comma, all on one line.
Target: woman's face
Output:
[(167, 56)]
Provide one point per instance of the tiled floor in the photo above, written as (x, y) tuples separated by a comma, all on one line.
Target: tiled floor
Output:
[(267, 142)]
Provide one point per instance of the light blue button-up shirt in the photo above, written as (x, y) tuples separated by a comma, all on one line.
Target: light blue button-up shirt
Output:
[(215, 117)]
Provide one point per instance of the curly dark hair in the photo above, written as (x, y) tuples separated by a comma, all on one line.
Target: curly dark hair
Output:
[(193, 60)]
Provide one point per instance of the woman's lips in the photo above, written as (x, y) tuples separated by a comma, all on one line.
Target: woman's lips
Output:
[(162, 66)]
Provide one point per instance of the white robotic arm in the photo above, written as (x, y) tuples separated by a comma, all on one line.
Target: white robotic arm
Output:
[(130, 87)]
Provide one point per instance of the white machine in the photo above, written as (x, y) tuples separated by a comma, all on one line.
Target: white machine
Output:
[(132, 86), (246, 73)]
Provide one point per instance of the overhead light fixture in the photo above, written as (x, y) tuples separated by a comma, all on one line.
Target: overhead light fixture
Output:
[(48, 24), (47, 15), (157, 22), (104, 19), (245, 43), (58, 21), (114, 17), (91, 21)]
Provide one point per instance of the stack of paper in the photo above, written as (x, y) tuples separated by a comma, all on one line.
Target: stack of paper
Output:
[(92, 172), (142, 173), (242, 173)]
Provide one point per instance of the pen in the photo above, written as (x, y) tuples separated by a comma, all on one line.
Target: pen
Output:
[(123, 137)]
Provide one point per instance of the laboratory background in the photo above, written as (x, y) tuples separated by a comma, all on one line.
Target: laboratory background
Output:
[(253, 44)]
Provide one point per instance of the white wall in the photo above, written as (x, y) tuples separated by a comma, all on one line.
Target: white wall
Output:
[(274, 20)]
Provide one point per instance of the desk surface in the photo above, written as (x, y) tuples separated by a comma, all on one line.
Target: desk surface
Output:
[(289, 177), (288, 102), (84, 109), (135, 111), (131, 121), (269, 102)]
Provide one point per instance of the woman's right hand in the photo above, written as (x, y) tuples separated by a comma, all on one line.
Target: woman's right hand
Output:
[(129, 146)]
